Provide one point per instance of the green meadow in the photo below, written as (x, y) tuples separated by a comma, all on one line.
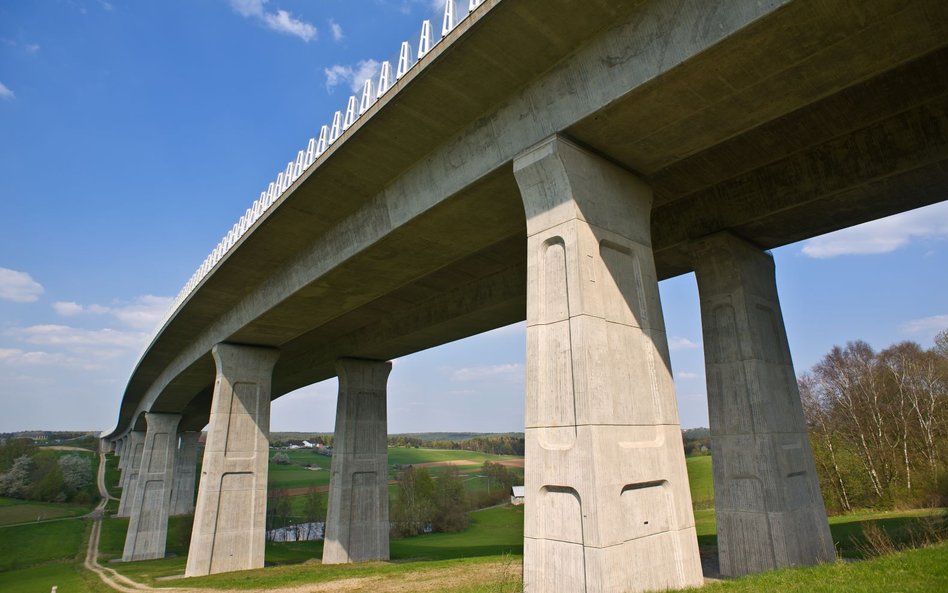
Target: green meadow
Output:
[(485, 558)]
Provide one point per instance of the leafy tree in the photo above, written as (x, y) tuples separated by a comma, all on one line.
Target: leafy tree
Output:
[(76, 471), (450, 505), (314, 507), (278, 509), (413, 507), (281, 459), (879, 424), (16, 483)]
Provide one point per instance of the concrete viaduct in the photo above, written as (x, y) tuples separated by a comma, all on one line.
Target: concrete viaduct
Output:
[(552, 160)]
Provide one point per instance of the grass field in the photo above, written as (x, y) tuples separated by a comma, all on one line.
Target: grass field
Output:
[(485, 558), (699, 477), (29, 544), (14, 511)]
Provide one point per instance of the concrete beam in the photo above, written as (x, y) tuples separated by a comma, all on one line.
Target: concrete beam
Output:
[(182, 492), (767, 497), (136, 442), (230, 517), (608, 506), (148, 524), (357, 516)]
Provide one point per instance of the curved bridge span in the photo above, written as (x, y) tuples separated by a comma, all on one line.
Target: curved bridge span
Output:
[(551, 160)]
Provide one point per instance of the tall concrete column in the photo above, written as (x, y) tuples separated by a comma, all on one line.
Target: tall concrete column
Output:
[(123, 458), (136, 441), (148, 524), (357, 515), (182, 492), (767, 499), (608, 508), (119, 447), (230, 516)]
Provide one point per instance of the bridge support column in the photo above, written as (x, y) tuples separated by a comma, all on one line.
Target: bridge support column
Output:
[(608, 508), (767, 499), (185, 466), (230, 516), (148, 526), (136, 441), (123, 459), (119, 448), (357, 515)]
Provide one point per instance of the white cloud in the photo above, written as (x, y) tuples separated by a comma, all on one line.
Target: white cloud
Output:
[(498, 371), (71, 337), (355, 77), (684, 375), (6, 93), (884, 235), (18, 287), (32, 48), (248, 7), (678, 343), (280, 21), (336, 28), (926, 325), (143, 313), (17, 358), (283, 22)]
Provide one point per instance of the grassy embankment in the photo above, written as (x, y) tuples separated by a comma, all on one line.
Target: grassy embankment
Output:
[(485, 558), (37, 554)]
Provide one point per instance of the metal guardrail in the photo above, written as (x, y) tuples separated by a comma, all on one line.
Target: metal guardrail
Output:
[(342, 120)]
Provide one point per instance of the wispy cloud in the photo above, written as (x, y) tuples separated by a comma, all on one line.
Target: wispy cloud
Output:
[(686, 376), (6, 93), (280, 20), (31, 359), (142, 313), (926, 325), (336, 29), (499, 371), (65, 336), (882, 236), (679, 343), (18, 287), (353, 76)]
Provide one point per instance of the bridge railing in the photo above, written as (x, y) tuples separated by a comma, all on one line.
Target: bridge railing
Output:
[(410, 56)]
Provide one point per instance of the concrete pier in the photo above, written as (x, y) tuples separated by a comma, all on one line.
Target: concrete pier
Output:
[(185, 468), (230, 515), (136, 441), (608, 507), (123, 457), (767, 499), (148, 524), (357, 515)]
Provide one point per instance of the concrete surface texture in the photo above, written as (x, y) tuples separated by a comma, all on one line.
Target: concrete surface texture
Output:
[(136, 440), (767, 499), (148, 515), (230, 515), (185, 468), (608, 506), (357, 515), (831, 85)]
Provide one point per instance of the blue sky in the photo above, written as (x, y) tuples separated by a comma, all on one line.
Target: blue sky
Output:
[(134, 134)]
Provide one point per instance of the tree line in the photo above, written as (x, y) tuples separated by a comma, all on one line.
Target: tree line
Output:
[(29, 473), (426, 503), (878, 424), (494, 445)]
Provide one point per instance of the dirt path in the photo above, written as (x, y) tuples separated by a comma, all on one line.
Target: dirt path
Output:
[(67, 448)]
